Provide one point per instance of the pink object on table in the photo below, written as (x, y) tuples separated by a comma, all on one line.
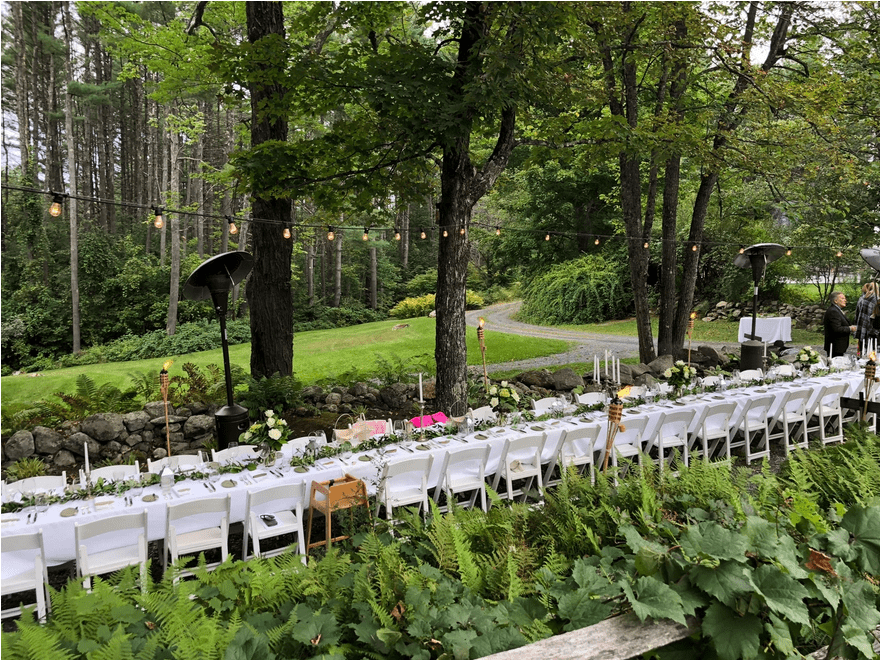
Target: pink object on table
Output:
[(428, 420)]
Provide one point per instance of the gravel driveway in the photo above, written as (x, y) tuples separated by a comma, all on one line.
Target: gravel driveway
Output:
[(584, 344)]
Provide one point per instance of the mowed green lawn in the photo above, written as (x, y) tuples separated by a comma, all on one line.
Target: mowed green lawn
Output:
[(317, 355)]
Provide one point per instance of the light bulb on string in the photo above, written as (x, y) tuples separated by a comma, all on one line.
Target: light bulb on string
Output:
[(422, 234), (232, 228), (596, 241), (742, 250), (498, 231), (330, 233), (158, 221), (788, 252), (461, 231), (366, 235), (839, 254), (547, 237), (694, 247), (396, 234), (445, 233), (646, 245), (286, 233), (57, 201)]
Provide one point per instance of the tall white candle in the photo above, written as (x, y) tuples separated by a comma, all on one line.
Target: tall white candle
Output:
[(86, 447), (595, 367), (606, 363), (421, 396), (617, 375), (765, 349)]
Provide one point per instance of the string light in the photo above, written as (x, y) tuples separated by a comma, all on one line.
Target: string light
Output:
[(286, 233), (839, 254), (396, 234), (596, 241), (461, 231), (445, 233), (694, 247), (497, 230), (330, 234), (742, 250), (547, 237), (422, 234), (158, 221), (232, 228), (366, 235), (788, 252), (57, 201), (646, 245)]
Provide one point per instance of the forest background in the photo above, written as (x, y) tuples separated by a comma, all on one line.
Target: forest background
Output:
[(628, 148)]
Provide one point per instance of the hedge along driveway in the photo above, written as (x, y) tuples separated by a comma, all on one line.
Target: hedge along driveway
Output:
[(317, 355)]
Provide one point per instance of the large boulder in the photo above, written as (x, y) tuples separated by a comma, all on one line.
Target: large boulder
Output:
[(46, 440), (20, 445), (566, 379), (135, 421), (76, 444), (537, 378), (333, 399), (64, 459), (715, 357), (103, 426), (157, 409), (661, 364), (198, 425), (394, 396)]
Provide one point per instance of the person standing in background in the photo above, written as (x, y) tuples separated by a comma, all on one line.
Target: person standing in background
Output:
[(864, 315), (837, 327)]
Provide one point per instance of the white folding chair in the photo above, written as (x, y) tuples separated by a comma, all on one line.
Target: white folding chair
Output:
[(840, 363), (178, 463), (273, 512), (34, 484), (109, 544), (546, 405), (671, 434), (715, 429), (577, 448), (753, 433), (403, 483), (26, 554), (464, 471), (591, 398), (784, 370), (195, 526), (711, 381), (637, 391), (483, 414), (113, 473), (627, 443), (790, 421), (521, 459), (750, 375), (826, 417), (232, 454)]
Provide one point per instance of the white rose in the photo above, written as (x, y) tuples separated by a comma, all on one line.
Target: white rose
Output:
[(493, 401), (269, 413), (493, 390), (275, 434), (247, 435), (270, 422), (503, 383), (515, 396), (668, 373)]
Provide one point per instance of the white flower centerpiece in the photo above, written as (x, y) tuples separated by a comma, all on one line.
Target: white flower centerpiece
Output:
[(679, 376), (504, 398), (272, 433), (807, 356)]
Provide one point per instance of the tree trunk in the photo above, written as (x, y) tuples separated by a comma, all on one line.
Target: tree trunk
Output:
[(404, 237), (21, 88), (310, 272), (268, 291), (374, 276), (173, 224), (71, 169), (337, 267)]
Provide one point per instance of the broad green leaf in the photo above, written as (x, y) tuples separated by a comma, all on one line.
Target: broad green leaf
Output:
[(581, 610), (710, 539), (838, 544), (587, 577), (780, 635), (725, 582), (859, 638), (863, 523), (734, 636), (459, 642), (691, 597), (860, 603), (655, 599), (783, 594), (388, 636), (763, 536)]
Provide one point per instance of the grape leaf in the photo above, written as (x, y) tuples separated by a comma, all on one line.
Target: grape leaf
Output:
[(784, 595), (863, 523), (734, 636), (725, 582), (711, 539), (581, 610), (655, 599)]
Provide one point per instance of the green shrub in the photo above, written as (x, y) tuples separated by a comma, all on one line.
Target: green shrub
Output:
[(25, 468), (409, 308), (321, 317), (423, 284), (585, 290)]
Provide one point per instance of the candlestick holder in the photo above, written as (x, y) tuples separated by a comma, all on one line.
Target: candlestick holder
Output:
[(422, 419)]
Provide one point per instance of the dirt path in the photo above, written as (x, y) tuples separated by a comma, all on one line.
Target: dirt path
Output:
[(583, 344)]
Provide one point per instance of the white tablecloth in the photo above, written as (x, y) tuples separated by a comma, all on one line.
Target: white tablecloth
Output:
[(58, 531), (768, 329)]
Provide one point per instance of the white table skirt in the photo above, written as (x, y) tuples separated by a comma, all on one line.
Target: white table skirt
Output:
[(768, 329), (58, 531)]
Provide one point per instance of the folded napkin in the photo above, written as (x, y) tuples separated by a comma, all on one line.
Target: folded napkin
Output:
[(428, 420)]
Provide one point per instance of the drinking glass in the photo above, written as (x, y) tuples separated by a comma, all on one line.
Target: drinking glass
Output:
[(135, 487), (41, 501)]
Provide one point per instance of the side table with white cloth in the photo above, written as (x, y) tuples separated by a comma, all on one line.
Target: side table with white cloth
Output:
[(769, 330)]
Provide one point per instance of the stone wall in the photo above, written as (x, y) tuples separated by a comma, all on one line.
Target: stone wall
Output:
[(804, 317)]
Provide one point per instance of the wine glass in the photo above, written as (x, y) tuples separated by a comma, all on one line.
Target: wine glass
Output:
[(27, 494), (41, 502), (135, 487)]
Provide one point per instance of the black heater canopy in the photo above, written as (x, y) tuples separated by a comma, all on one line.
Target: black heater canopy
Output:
[(214, 279), (756, 257)]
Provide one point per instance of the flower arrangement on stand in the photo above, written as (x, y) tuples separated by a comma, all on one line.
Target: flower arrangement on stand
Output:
[(274, 432), (680, 375), (807, 356), (503, 399)]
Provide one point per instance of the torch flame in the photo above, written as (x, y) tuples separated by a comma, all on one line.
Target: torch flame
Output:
[(482, 321), (872, 356), (622, 394), (167, 364), (693, 315)]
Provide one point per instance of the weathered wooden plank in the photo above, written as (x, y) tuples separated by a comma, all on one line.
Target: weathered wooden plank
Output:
[(619, 638)]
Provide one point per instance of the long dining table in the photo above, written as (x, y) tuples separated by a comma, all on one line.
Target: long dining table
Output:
[(57, 523)]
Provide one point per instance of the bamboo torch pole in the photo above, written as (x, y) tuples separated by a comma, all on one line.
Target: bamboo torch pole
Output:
[(870, 379), (615, 412), (163, 388), (690, 332), (481, 335)]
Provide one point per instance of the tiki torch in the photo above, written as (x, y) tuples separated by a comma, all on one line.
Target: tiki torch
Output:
[(615, 412), (481, 335), (163, 388), (690, 332), (870, 379)]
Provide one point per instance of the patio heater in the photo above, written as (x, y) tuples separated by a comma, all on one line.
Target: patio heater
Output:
[(214, 279), (755, 257)]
